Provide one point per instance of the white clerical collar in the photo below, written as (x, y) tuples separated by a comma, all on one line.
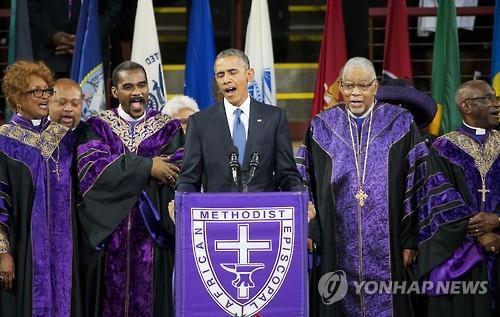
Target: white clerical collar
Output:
[(364, 115), (36, 122), (245, 106), (479, 131), (128, 117)]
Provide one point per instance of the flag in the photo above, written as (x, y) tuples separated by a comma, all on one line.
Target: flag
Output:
[(19, 32), (259, 49), (87, 67), (146, 51), (425, 25), (19, 38), (495, 51), (200, 55), (446, 69), (332, 57), (397, 61)]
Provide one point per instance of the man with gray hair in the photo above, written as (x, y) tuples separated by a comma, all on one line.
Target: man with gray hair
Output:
[(181, 108), (360, 160)]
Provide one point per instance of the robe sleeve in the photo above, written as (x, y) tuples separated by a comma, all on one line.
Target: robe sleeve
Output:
[(110, 185), (444, 212)]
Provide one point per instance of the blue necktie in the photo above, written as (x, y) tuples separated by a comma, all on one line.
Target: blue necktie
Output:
[(239, 135)]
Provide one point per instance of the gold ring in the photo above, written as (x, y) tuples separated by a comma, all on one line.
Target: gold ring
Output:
[(1, 278)]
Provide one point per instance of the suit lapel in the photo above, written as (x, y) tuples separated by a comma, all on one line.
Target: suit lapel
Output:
[(222, 126), (255, 129)]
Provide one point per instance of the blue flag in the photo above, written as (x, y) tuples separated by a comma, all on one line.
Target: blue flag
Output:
[(200, 55), (495, 51), (87, 67)]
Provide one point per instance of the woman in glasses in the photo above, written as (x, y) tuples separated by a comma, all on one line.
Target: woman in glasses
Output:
[(35, 203)]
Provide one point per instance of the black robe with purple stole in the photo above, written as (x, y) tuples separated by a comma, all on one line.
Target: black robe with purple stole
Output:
[(446, 253), (365, 242), (128, 236), (36, 204)]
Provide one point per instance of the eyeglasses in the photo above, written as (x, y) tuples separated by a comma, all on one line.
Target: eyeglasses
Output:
[(38, 93), (348, 86), (491, 98)]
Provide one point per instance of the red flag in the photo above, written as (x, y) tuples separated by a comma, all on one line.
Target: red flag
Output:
[(332, 57), (397, 62)]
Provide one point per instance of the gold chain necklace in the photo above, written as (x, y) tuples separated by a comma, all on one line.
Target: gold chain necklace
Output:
[(360, 195)]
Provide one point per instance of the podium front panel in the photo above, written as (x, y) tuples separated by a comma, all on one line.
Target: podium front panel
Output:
[(241, 254)]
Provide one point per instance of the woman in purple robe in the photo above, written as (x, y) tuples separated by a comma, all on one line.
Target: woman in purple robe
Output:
[(35, 201)]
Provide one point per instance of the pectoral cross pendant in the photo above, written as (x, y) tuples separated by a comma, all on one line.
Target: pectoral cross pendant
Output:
[(483, 192), (361, 197)]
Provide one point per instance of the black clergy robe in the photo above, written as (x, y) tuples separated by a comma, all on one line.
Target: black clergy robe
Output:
[(365, 242), (36, 209), (127, 235), (446, 252)]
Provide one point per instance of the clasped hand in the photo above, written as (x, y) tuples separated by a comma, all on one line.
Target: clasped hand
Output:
[(164, 171)]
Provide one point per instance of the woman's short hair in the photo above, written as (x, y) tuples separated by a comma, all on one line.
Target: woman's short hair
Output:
[(16, 79)]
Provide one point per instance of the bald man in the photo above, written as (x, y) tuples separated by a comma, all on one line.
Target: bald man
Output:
[(65, 106), (465, 242)]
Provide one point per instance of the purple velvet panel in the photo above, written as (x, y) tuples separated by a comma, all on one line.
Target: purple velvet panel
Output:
[(50, 225), (430, 216), (468, 255), (93, 157), (60, 223), (331, 132), (5, 203), (129, 265), (456, 156), (153, 145), (177, 157)]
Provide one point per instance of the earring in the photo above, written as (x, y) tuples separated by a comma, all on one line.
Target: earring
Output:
[(18, 107)]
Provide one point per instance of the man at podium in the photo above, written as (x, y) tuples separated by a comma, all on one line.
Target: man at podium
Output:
[(239, 144)]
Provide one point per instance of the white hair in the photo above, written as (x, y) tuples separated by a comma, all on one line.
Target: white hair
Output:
[(179, 102), (359, 62)]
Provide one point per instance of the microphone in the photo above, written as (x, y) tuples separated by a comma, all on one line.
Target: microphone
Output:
[(254, 165), (234, 165)]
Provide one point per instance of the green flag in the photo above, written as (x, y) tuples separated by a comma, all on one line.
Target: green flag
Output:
[(446, 66)]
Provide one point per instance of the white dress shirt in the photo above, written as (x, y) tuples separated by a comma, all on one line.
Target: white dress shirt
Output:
[(128, 117)]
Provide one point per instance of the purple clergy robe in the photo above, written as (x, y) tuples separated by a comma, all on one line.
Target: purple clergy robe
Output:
[(364, 242), (36, 212), (124, 214)]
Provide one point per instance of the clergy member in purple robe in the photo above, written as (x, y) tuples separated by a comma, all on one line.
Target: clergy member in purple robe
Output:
[(35, 200), (361, 161), (127, 166), (459, 237)]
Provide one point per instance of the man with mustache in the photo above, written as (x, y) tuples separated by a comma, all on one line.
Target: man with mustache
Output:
[(466, 243), (127, 166)]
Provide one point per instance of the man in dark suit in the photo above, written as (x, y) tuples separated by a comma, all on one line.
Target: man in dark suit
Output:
[(53, 26), (238, 122)]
